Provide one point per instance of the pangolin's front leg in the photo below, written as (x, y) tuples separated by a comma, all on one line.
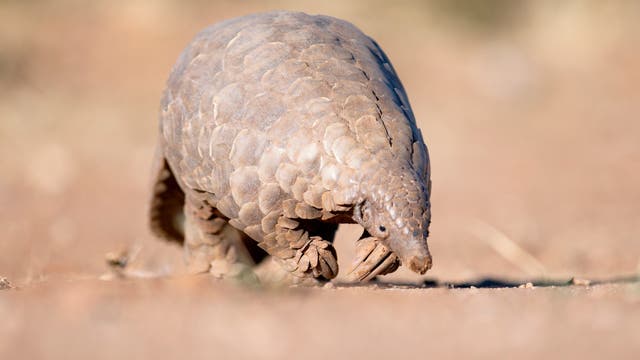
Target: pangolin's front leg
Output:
[(300, 253), (373, 258), (211, 244)]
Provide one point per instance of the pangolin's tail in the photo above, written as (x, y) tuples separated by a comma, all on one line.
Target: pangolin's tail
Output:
[(166, 216)]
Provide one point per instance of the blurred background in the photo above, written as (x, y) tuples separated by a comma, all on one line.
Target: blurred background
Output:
[(530, 110)]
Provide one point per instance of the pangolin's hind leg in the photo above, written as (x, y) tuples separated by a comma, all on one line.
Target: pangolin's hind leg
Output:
[(211, 244), (303, 248)]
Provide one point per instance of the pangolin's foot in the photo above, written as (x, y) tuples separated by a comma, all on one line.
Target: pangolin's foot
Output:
[(299, 253), (213, 246), (316, 257), (236, 272), (221, 262), (373, 258), (272, 273), (200, 256)]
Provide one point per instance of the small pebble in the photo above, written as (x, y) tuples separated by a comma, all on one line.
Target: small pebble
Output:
[(329, 285), (528, 285)]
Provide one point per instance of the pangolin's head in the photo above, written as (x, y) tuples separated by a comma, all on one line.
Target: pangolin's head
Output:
[(397, 211)]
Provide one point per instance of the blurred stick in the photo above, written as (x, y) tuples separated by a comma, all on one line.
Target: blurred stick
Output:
[(119, 263), (507, 248)]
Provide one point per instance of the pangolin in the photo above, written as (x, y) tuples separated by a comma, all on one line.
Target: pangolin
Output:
[(275, 128)]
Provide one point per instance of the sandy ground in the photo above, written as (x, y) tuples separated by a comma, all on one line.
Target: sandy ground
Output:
[(530, 111), (196, 318)]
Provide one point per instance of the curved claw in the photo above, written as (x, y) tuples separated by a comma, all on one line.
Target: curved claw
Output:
[(372, 259)]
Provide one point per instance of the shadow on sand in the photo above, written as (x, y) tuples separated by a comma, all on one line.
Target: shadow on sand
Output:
[(496, 283)]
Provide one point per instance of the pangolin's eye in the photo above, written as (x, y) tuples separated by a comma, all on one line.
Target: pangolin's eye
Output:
[(382, 228)]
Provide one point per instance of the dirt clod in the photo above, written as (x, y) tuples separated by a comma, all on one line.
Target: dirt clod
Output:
[(579, 282), (5, 284)]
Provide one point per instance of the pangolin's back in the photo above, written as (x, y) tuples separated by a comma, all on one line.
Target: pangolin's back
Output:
[(308, 104)]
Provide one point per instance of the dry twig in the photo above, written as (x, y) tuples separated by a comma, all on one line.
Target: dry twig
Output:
[(507, 248)]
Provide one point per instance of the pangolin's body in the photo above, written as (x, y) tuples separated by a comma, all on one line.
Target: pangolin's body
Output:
[(280, 125)]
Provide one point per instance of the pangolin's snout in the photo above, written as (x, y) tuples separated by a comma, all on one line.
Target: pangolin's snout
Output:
[(413, 253), (419, 263)]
